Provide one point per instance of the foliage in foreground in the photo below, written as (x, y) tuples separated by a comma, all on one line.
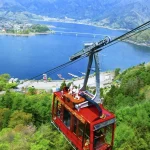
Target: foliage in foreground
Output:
[(25, 119), (4, 85), (130, 100), (25, 123), (32, 138)]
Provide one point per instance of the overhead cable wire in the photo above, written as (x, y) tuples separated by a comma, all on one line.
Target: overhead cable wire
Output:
[(133, 30), (122, 37), (53, 70), (114, 41)]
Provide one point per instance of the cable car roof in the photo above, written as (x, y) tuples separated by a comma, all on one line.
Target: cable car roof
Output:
[(91, 114)]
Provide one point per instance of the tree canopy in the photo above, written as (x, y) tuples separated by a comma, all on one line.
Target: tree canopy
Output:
[(130, 100), (25, 118)]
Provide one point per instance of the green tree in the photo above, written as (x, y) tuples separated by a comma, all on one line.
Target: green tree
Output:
[(124, 134), (10, 86), (6, 100), (20, 117), (4, 117), (4, 77), (49, 79), (117, 71), (4, 146), (31, 90), (2, 85), (40, 28), (63, 84)]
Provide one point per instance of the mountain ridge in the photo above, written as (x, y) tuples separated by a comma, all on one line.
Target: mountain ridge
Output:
[(113, 13)]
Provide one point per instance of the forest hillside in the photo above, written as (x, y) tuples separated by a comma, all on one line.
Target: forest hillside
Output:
[(25, 119), (113, 13)]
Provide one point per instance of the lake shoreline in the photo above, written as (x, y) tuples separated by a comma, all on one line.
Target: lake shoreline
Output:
[(61, 21), (80, 22), (77, 22), (106, 80), (30, 34), (135, 43), (24, 57), (92, 24)]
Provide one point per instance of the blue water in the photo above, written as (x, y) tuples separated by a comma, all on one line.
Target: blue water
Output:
[(25, 57)]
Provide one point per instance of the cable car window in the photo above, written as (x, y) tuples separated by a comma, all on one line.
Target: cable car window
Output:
[(80, 130), (86, 139), (58, 108), (87, 132), (99, 138), (67, 118), (102, 136), (74, 125), (55, 107)]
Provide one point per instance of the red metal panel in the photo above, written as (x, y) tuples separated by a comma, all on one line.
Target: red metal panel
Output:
[(91, 137)]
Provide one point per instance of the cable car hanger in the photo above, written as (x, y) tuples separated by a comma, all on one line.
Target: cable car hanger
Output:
[(90, 51)]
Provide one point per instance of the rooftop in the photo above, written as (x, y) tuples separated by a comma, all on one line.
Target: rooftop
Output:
[(89, 113)]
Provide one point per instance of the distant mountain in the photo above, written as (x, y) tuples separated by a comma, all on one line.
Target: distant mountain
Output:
[(112, 13)]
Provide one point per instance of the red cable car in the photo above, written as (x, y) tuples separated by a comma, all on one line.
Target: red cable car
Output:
[(80, 115), (84, 128)]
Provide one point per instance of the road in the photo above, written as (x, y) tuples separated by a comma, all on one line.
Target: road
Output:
[(105, 80)]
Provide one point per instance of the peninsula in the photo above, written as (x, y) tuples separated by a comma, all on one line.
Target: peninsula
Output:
[(142, 38), (14, 27)]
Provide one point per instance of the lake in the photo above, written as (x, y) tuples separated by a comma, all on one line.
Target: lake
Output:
[(25, 57)]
